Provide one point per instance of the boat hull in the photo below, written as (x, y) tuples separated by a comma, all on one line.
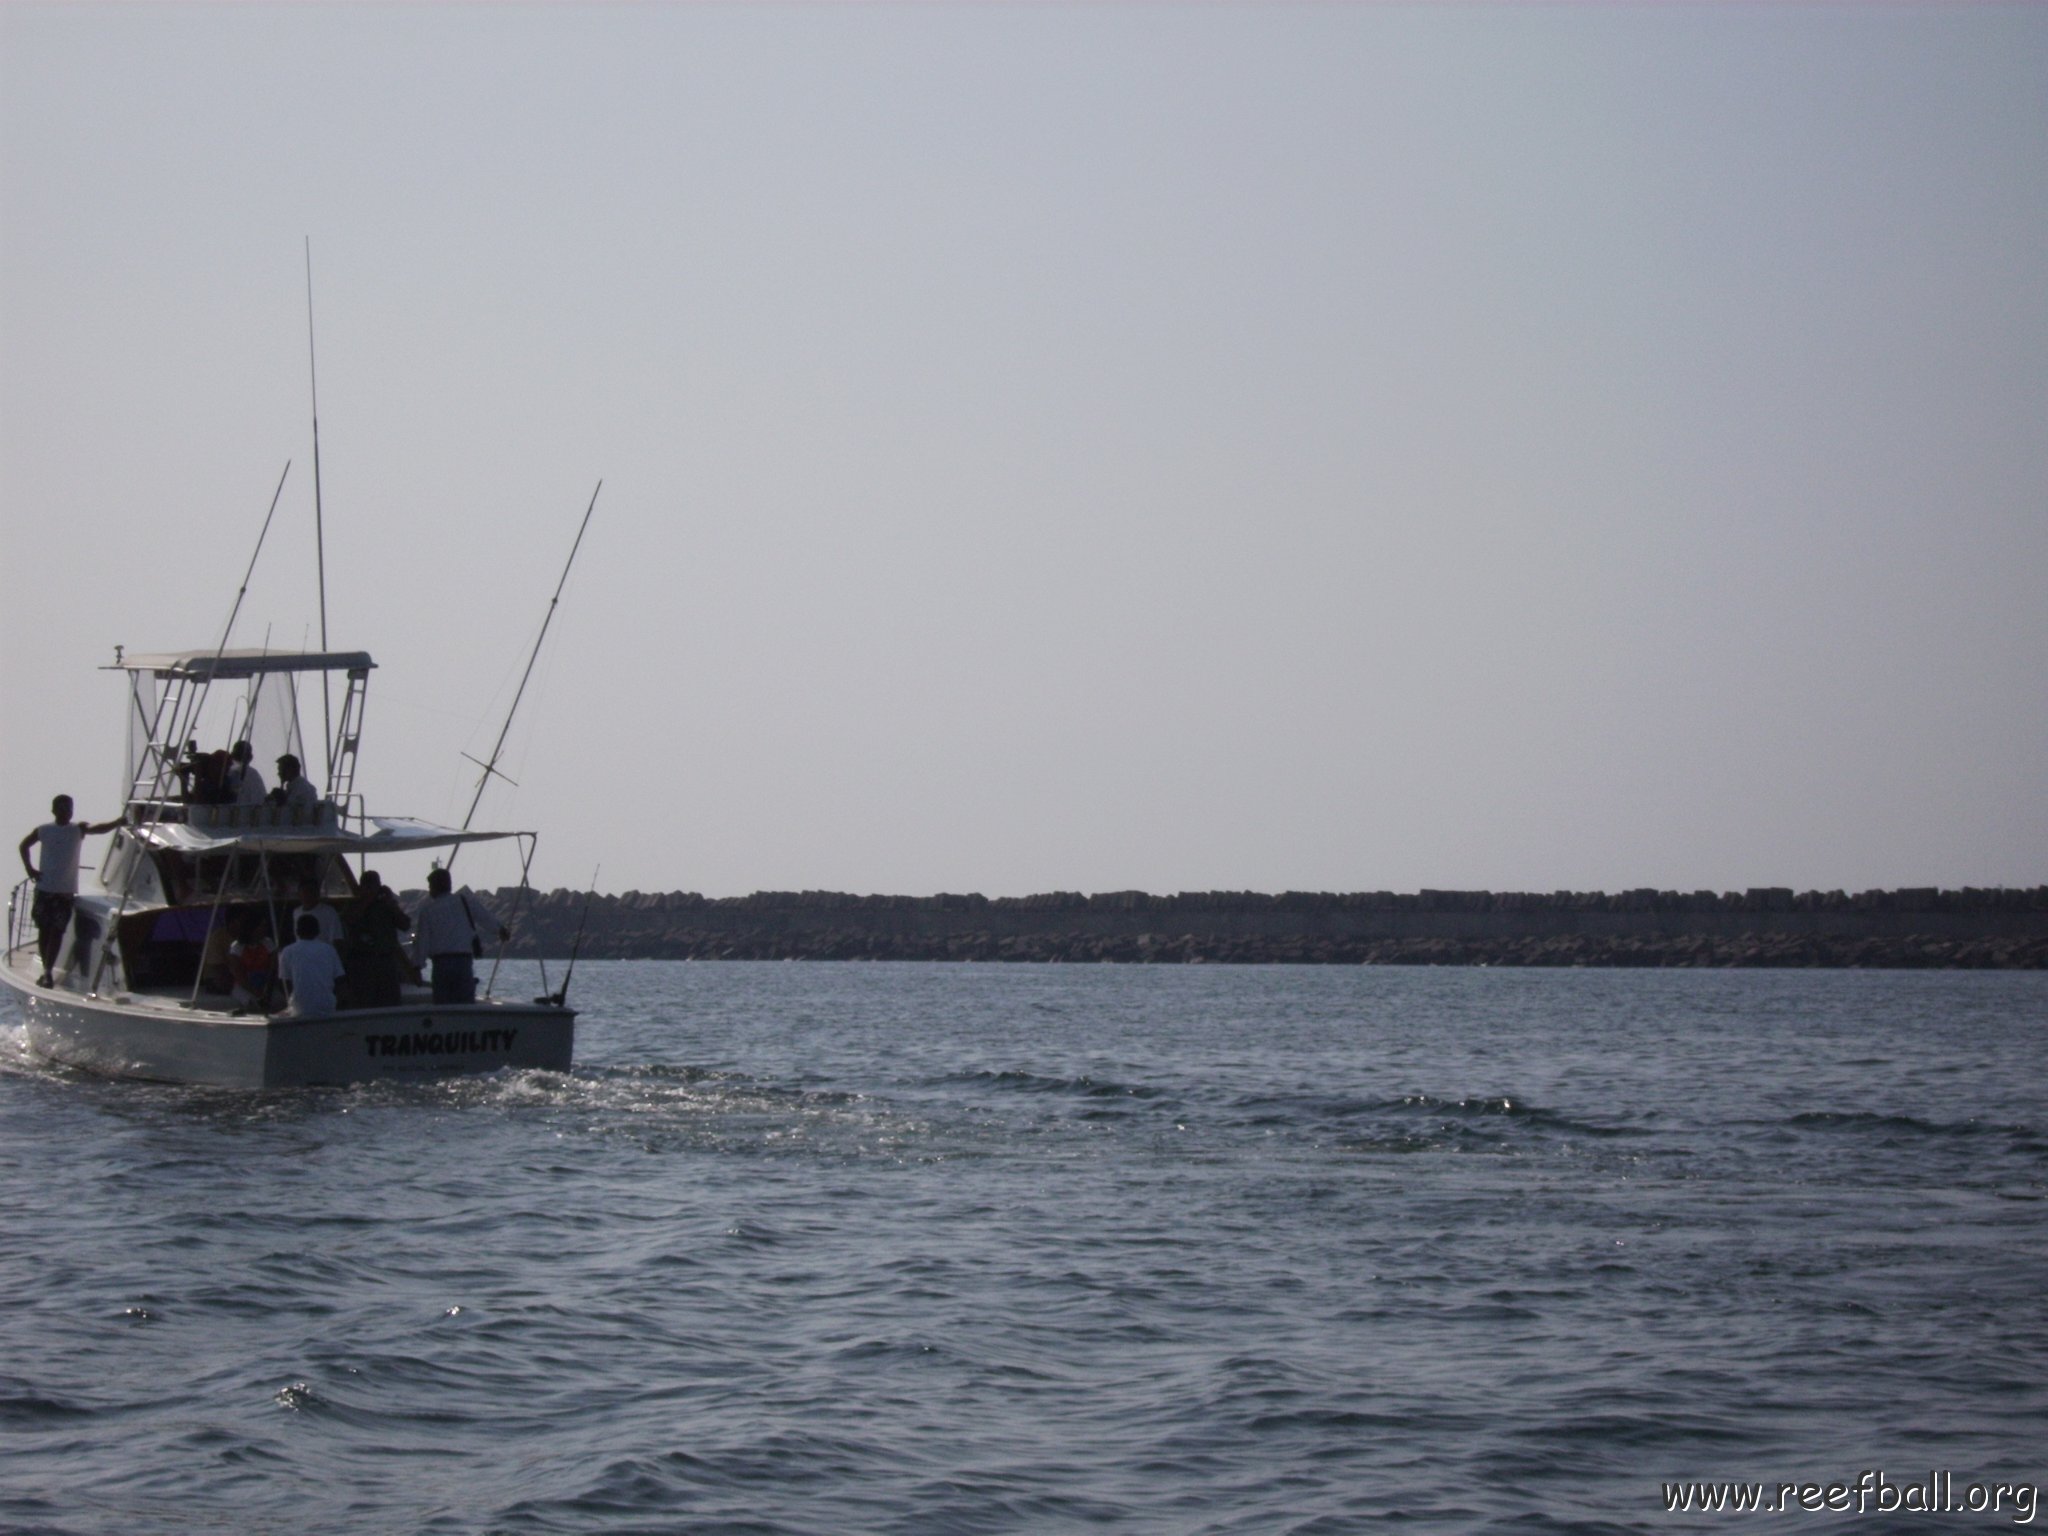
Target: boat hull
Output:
[(162, 1040)]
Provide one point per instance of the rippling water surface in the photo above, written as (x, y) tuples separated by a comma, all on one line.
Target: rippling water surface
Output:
[(928, 1249)]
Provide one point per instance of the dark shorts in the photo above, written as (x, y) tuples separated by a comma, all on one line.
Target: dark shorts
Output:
[(454, 978), (374, 978), (52, 910)]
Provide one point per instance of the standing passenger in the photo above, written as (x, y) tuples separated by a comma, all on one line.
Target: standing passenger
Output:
[(57, 881), (375, 957), (447, 933), (311, 905)]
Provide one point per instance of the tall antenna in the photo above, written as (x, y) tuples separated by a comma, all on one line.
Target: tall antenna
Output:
[(319, 527)]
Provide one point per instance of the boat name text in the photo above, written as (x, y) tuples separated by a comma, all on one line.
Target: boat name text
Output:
[(454, 1042)]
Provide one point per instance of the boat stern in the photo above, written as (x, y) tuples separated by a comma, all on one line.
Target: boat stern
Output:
[(409, 1043)]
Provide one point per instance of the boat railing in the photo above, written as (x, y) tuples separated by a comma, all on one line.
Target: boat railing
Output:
[(325, 817), (20, 911), (351, 813)]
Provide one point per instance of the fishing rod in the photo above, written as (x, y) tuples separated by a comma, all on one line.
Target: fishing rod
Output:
[(183, 728), (491, 768), (235, 609), (561, 999), (528, 845), (319, 527)]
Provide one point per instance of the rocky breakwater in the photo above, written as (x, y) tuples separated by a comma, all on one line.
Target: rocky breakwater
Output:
[(1981, 928)]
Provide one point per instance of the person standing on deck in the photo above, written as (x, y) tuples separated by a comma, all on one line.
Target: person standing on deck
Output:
[(312, 905), (375, 955), (448, 934), (57, 881)]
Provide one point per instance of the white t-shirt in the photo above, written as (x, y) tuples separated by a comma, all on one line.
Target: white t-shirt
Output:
[(447, 925), (310, 968), (57, 845), (301, 796), (247, 784), (326, 916)]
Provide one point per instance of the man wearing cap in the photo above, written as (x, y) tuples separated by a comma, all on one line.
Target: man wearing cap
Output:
[(294, 793), (57, 881)]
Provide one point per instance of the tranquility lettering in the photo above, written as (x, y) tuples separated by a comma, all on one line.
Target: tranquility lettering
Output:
[(454, 1042)]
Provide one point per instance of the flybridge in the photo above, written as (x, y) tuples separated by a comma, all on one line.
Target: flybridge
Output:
[(239, 666), (170, 692)]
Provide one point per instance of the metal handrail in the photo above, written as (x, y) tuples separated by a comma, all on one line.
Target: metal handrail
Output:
[(20, 905)]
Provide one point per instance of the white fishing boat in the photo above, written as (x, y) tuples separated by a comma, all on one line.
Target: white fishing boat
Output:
[(136, 987)]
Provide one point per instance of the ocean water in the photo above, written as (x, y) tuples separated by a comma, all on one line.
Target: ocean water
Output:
[(959, 1248)]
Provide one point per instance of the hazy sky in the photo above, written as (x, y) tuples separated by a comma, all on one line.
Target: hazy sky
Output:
[(1310, 446)]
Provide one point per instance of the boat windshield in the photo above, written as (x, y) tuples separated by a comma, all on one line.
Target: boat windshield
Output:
[(208, 879)]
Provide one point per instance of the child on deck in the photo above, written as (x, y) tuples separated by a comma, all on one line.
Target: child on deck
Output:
[(250, 967)]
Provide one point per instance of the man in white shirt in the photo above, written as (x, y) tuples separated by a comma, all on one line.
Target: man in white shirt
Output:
[(310, 905), (309, 969), (294, 791), (57, 880), (448, 934), (244, 783)]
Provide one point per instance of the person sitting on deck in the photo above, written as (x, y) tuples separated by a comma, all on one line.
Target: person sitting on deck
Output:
[(448, 933), (243, 782), (294, 793), (251, 966), (215, 973), (309, 969), (202, 777)]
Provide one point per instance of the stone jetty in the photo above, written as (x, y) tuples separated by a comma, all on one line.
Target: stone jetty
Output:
[(1915, 928)]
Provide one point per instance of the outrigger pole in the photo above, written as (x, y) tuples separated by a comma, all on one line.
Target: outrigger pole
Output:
[(490, 768), (242, 591), (319, 529)]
